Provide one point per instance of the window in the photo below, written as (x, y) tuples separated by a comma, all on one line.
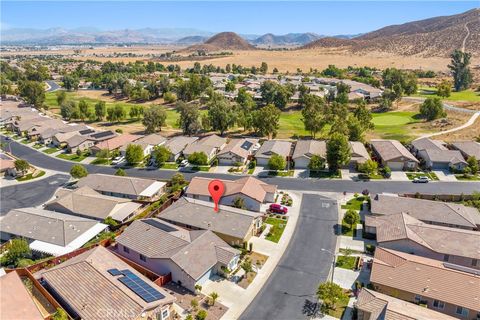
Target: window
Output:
[(418, 298), (446, 257), (195, 196), (143, 258), (474, 262), (438, 304), (461, 311), (165, 314), (125, 249)]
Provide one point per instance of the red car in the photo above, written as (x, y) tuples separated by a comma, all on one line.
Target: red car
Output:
[(278, 208)]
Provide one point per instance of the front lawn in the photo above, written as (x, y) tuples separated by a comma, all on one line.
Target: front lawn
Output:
[(102, 161), (51, 150), (38, 146), (354, 204), (373, 176), (72, 157), (276, 231), (346, 230), (325, 174), (201, 168), (341, 306), (30, 176), (273, 173), (26, 141), (169, 166), (431, 175), (346, 262), (462, 177)]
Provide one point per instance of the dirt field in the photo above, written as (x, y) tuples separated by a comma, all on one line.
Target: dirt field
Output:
[(470, 133)]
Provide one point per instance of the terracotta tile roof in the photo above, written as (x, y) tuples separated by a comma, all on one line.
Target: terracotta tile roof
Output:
[(444, 240), (248, 186), (427, 210), (15, 301), (86, 285), (390, 150), (383, 307), (426, 277)]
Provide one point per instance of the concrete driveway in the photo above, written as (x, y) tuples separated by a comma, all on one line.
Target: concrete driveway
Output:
[(290, 291), (445, 175), (399, 176), (228, 291)]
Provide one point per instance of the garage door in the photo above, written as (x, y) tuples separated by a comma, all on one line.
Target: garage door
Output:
[(395, 165), (205, 277)]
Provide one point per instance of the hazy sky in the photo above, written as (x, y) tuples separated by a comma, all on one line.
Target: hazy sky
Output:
[(322, 17)]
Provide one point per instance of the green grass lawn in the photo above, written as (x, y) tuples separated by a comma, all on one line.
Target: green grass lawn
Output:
[(341, 306), (38, 146), (72, 157), (26, 141), (413, 175), (346, 262), (201, 168), (325, 174), (30, 176), (288, 173), (467, 95), (278, 227), (50, 150), (374, 176), (346, 230), (354, 204), (169, 166), (101, 161), (461, 177), (393, 125)]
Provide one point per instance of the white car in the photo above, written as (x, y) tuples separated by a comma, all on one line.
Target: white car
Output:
[(184, 163), (422, 179), (118, 160)]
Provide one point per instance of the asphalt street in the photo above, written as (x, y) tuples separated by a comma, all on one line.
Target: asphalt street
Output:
[(290, 291), (44, 161), (53, 85), (30, 194)]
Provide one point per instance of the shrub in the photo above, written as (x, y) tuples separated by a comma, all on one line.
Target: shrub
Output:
[(198, 158), (201, 315), (78, 171), (118, 130), (276, 162), (134, 154)]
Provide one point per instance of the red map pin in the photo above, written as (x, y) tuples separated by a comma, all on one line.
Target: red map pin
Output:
[(216, 189)]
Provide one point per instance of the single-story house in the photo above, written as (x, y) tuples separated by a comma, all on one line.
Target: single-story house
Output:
[(79, 142), (441, 286), (88, 203), (147, 143), (114, 143), (15, 300), (440, 213), (393, 154), (49, 232), (253, 191), (7, 164), (191, 256), (234, 226), (25, 123), (237, 151), (305, 150), (36, 130), (97, 284), (177, 144), (373, 305), (442, 159), (427, 143), (46, 137), (402, 232), (102, 135), (358, 154), (210, 145), (123, 187), (468, 149), (270, 147), (59, 139)]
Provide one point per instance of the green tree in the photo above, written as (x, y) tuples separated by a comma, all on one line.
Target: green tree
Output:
[(134, 154), (220, 113), (313, 114), (69, 110), (154, 118), (177, 181), (78, 171), (70, 82), (238, 202), (369, 167), (110, 221), (266, 120), (169, 97), (61, 97), (100, 110), (189, 118), (338, 151), (198, 158), (201, 315), (462, 76), (364, 115), (120, 172), (264, 67), (351, 218), (229, 86), (473, 164), (355, 129), (161, 154), (276, 94), (33, 92), (444, 89), (330, 293), (21, 165), (316, 163), (213, 297), (432, 108), (276, 162), (83, 109), (60, 314), (17, 249)]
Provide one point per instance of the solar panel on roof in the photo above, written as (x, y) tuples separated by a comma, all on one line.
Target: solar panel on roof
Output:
[(114, 272), (246, 145), (86, 131), (139, 287), (102, 134)]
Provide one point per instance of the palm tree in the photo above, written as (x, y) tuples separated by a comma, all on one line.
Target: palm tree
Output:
[(213, 297)]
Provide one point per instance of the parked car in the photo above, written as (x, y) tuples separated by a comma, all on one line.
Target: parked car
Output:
[(118, 160), (422, 179), (278, 208), (184, 163)]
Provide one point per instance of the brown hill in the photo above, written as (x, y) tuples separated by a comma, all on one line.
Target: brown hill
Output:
[(437, 36), (223, 41)]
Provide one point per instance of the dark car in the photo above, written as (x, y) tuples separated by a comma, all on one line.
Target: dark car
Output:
[(278, 208)]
